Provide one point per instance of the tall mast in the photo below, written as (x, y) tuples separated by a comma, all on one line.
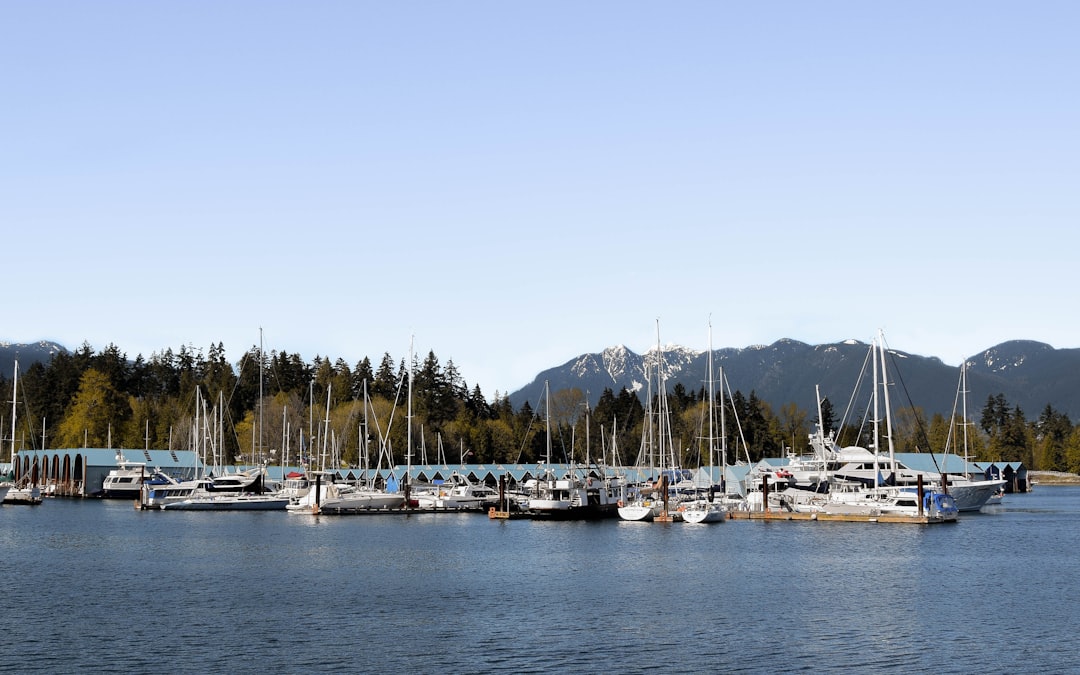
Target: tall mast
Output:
[(260, 395), (547, 422), (408, 419), (888, 407), (877, 409), (963, 391), (14, 410), (712, 405)]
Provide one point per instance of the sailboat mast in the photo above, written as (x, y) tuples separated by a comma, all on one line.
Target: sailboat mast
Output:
[(408, 424), (723, 436), (326, 427), (712, 406), (821, 432), (260, 395), (14, 410), (877, 411), (963, 390), (888, 407), (547, 421)]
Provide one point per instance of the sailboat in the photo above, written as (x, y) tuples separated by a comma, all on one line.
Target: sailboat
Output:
[(327, 496), (970, 494), (25, 491), (651, 500), (707, 508), (239, 491), (881, 499)]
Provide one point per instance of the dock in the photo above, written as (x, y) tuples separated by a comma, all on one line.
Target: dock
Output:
[(838, 517), (496, 514)]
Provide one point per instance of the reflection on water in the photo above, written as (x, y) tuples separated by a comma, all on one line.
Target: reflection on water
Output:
[(97, 585)]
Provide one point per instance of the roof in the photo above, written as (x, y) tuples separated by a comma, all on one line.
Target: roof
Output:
[(936, 462), (102, 457)]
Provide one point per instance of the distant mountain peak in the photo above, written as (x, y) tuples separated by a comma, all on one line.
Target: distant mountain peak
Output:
[(1029, 373), (1011, 354)]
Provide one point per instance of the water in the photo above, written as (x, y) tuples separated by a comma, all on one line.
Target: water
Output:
[(98, 586)]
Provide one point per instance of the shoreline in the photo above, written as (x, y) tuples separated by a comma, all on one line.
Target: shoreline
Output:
[(1053, 478)]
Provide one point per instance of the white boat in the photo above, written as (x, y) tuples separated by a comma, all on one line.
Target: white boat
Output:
[(654, 499), (342, 498), (225, 501), (644, 503), (125, 481), (705, 507), (26, 495), (457, 493), (703, 510), (849, 497), (167, 490), (23, 492)]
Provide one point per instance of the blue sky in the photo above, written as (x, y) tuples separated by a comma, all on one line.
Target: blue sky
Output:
[(512, 184)]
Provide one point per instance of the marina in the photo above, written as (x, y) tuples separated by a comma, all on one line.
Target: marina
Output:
[(373, 594)]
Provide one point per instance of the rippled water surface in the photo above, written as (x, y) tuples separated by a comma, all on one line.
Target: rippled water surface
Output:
[(99, 586)]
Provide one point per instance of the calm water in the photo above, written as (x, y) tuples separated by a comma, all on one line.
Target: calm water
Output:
[(98, 586)]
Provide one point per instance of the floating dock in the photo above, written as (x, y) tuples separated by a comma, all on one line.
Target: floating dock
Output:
[(838, 517)]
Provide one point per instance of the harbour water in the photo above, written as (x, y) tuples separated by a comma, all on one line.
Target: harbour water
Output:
[(99, 586)]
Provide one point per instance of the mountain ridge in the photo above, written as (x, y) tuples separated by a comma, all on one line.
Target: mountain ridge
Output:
[(1030, 374)]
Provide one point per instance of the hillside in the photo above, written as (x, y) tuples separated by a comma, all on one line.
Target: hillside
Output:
[(1029, 374)]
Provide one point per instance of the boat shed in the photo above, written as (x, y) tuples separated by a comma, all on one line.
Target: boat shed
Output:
[(1015, 474), (80, 472)]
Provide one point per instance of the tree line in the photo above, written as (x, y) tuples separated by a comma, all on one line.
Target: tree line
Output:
[(273, 406)]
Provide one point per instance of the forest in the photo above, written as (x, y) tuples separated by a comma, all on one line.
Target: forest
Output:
[(273, 407)]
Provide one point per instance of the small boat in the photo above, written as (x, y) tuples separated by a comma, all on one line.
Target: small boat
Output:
[(21, 494), (224, 501), (458, 493), (343, 498)]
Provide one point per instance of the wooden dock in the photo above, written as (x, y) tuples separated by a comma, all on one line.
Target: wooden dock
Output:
[(496, 514), (837, 517)]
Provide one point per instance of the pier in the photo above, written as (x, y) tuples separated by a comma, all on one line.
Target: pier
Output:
[(838, 517)]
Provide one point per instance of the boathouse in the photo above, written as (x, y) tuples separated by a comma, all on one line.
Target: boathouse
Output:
[(1015, 474), (80, 472)]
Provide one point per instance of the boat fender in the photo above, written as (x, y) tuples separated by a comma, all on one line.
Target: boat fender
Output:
[(621, 504)]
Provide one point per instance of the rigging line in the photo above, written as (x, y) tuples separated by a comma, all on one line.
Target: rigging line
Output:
[(918, 422)]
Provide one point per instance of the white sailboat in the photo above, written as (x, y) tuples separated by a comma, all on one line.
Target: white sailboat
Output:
[(706, 508), (652, 500), (25, 491)]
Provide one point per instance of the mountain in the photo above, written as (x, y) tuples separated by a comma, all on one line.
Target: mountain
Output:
[(1029, 374), (26, 354)]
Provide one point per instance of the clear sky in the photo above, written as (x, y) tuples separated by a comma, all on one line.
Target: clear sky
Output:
[(512, 184)]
